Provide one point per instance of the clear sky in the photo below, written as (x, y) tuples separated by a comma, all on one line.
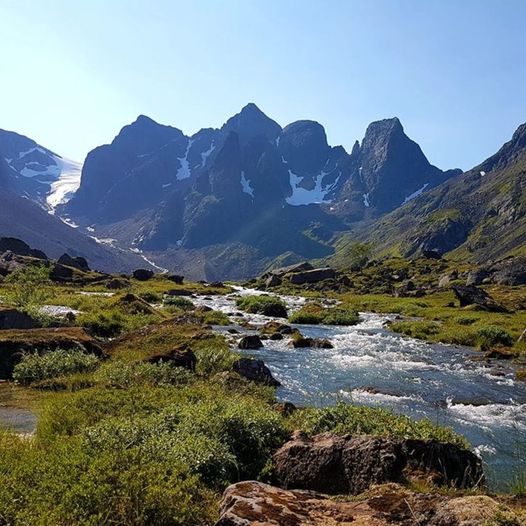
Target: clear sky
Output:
[(454, 71)]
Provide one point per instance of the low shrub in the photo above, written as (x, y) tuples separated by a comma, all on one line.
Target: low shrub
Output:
[(113, 321), (491, 335), (212, 358), (263, 304), (177, 302), (151, 297), (315, 314), (124, 375), (35, 367), (348, 418)]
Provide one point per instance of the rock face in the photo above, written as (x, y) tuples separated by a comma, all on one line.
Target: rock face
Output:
[(479, 213), (241, 196), (344, 464), (471, 295), (255, 370), (252, 341), (253, 503)]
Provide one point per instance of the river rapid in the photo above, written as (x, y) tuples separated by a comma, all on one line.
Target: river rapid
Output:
[(373, 366)]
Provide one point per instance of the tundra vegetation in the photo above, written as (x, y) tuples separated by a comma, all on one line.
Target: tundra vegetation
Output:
[(136, 435)]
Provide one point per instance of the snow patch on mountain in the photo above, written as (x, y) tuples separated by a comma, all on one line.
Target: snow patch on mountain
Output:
[(414, 195), (205, 155), (366, 200), (66, 184), (184, 169), (303, 196), (245, 184)]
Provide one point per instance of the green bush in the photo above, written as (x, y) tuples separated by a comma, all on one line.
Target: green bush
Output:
[(125, 375), (315, 314), (490, 336), (213, 358), (27, 290), (35, 367), (351, 419), (263, 304), (68, 483), (112, 322), (151, 297), (177, 302)]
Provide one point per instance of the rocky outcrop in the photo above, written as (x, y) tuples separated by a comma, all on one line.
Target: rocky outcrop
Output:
[(251, 341), (255, 371), (301, 342), (509, 271), (312, 276), (14, 319), (79, 263), (18, 247), (471, 295), (345, 464), (252, 503), (142, 274)]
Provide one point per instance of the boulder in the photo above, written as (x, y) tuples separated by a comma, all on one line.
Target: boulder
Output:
[(79, 263), (14, 319), (300, 342), (61, 274), (181, 356), (255, 370), (176, 278), (117, 284), (251, 503), (446, 279), (251, 341), (292, 269), (345, 464), (471, 295), (142, 274), (312, 276), (273, 281), (511, 271), (477, 277)]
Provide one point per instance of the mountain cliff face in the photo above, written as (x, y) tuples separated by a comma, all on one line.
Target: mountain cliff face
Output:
[(479, 215), (276, 192)]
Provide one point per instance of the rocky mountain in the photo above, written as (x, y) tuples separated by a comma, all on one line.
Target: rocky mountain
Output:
[(237, 198), (24, 219), (480, 215), (36, 172)]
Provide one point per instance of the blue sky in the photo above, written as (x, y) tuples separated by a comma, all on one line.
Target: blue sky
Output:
[(454, 72)]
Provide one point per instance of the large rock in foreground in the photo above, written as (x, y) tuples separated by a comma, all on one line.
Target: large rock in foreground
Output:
[(255, 371), (14, 319), (253, 503), (345, 464), (312, 276), (471, 295)]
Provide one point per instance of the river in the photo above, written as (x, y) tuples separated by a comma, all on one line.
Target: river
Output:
[(373, 366)]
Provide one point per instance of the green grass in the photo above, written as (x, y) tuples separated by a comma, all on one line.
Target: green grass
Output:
[(314, 314), (350, 419)]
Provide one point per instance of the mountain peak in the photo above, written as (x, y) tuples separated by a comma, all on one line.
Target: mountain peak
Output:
[(251, 122)]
